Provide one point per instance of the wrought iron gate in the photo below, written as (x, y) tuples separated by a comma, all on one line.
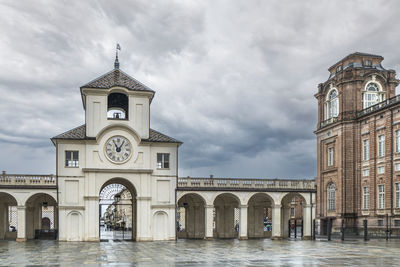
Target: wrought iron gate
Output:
[(116, 213), (118, 224), (295, 228)]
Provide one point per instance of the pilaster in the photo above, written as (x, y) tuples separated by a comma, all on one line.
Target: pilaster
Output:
[(209, 218), (21, 232), (276, 222), (243, 222)]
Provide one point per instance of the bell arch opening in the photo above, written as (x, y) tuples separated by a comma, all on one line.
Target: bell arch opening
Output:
[(117, 106), (117, 210), (8, 217)]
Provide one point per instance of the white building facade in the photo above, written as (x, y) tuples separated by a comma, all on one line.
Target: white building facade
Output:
[(116, 146)]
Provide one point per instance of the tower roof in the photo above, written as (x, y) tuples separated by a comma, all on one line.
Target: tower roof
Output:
[(356, 54), (117, 77)]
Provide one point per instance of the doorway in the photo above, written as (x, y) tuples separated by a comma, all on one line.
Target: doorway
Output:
[(116, 211)]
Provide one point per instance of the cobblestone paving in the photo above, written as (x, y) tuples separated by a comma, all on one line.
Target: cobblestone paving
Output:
[(202, 253)]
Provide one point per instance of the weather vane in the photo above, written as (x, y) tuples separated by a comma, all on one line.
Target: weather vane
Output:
[(116, 63)]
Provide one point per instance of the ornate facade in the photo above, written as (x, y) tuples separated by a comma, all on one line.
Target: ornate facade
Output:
[(358, 143)]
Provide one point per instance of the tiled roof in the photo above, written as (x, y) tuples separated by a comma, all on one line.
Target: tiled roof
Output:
[(79, 133), (117, 77), (159, 137)]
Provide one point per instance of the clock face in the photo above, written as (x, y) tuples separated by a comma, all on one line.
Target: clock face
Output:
[(118, 149)]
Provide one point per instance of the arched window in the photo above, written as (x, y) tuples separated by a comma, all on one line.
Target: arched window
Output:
[(372, 94), (332, 104), (331, 196), (117, 106)]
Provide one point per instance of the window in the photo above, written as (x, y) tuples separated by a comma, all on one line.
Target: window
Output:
[(380, 222), (332, 105), (381, 196), (365, 197), (381, 145), (366, 172), (338, 68), (366, 149), (163, 160), (381, 169), (71, 159), (292, 212), (397, 195), (397, 223), (331, 196), (397, 166), (330, 156), (368, 63), (398, 141), (371, 95)]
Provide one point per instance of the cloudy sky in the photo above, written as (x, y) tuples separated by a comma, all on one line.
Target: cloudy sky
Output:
[(234, 79)]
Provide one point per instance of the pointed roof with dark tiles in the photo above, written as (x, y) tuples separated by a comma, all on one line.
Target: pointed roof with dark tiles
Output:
[(79, 133), (117, 77)]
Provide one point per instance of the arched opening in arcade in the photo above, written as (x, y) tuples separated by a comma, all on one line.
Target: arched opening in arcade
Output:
[(293, 205), (227, 216), (191, 216), (8, 216), (41, 219), (117, 210), (259, 216)]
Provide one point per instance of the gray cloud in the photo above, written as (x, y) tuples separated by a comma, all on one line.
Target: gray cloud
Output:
[(234, 80)]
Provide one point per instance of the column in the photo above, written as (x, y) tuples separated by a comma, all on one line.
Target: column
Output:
[(243, 222), (31, 222), (307, 222), (3, 220), (209, 219), (276, 222), (21, 233), (285, 211)]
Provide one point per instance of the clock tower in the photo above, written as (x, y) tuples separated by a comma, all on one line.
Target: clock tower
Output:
[(116, 148)]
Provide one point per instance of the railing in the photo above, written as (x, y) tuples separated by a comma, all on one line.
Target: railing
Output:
[(27, 179), (196, 182), (329, 121), (379, 106)]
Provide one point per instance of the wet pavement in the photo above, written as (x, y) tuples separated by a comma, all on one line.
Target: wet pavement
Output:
[(202, 253)]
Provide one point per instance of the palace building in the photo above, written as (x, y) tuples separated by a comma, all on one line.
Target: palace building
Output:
[(358, 144)]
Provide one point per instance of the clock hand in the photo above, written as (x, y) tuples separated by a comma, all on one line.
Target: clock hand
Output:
[(116, 147), (122, 144)]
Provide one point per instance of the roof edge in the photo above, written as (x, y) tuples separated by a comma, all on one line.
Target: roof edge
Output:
[(361, 54)]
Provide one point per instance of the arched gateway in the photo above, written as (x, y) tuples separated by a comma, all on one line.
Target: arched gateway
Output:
[(117, 211)]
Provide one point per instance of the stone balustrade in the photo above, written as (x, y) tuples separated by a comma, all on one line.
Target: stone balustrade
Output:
[(27, 180), (241, 183)]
